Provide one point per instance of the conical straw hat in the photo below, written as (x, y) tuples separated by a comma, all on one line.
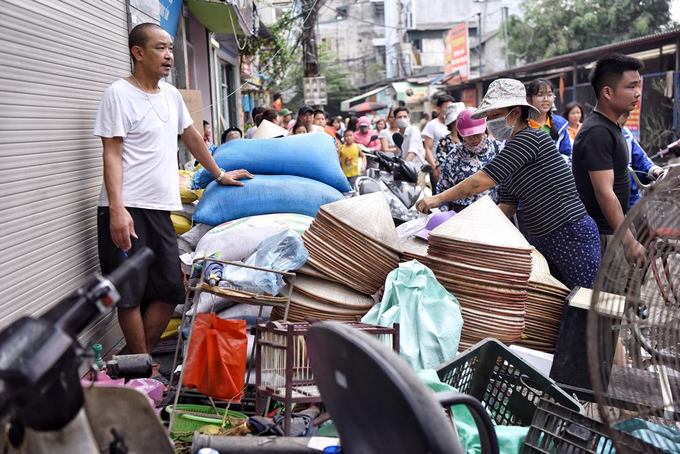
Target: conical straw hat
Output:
[(309, 270), (483, 223), (268, 130), (540, 272), (369, 215), (300, 299), (332, 293)]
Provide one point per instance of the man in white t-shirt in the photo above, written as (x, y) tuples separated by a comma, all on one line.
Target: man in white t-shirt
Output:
[(412, 148), (434, 130), (139, 120)]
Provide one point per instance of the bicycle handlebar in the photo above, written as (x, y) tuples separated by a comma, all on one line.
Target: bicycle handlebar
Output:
[(38, 359), (137, 262)]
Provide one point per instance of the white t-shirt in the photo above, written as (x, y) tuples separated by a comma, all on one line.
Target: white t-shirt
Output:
[(413, 143), (387, 135), (435, 130), (251, 132), (149, 125)]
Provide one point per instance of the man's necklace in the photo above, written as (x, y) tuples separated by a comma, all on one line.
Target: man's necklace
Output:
[(167, 104)]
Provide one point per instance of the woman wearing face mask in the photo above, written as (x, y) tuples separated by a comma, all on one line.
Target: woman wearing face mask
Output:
[(540, 95), (531, 171), (464, 159)]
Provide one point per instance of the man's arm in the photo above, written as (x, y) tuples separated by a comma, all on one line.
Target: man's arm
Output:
[(362, 156), (194, 142), (429, 154), (121, 224), (641, 162), (603, 184), (415, 145), (385, 146)]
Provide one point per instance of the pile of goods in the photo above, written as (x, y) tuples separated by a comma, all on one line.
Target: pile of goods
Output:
[(354, 241), (294, 174), (323, 299), (544, 306), (481, 257)]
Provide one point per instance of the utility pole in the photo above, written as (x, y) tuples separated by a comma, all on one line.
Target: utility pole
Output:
[(310, 55), (400, 37)]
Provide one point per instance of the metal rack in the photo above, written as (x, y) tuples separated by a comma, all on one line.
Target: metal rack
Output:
[(198, 285), (282, 370)]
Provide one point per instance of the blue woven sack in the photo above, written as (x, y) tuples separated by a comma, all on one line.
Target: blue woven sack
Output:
[(304, 155), (263, 194)]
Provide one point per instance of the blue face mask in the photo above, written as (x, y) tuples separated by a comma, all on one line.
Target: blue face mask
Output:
[(499, 128)]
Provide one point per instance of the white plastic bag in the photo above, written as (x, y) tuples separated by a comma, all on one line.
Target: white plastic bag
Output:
[(284, 251), (236, 240)]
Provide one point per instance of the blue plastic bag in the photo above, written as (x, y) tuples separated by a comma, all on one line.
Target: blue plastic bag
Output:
[(264, 194), (284, 251), (311, 156)]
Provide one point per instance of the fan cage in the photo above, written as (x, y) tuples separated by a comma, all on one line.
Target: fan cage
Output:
[(634, 321)]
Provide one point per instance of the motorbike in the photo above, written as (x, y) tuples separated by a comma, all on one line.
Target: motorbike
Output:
[(403, 182), (42, 402)]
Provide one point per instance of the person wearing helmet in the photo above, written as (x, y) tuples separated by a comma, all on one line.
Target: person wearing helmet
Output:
[(365, 133), (464, 159)]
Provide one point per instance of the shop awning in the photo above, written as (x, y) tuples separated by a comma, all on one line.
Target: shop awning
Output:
[(222, 16), (346, 105)]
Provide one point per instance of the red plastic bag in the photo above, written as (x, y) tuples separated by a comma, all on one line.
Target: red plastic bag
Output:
[(216, 359)]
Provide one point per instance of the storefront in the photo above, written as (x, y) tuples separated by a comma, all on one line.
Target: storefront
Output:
[(52, 78)]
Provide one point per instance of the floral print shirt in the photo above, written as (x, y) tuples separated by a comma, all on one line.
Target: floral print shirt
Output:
[(460, 163), (443, 148)]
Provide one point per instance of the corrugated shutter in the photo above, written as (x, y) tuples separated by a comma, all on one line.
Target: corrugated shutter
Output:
[(56, 59)]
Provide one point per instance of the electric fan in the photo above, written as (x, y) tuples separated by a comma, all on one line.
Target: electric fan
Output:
[(634, 323)]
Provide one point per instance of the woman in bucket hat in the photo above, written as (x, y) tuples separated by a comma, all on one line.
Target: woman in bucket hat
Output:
[(464, 159), (530, 171)]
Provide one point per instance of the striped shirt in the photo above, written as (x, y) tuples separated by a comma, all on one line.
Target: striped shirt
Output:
[(531, 171)]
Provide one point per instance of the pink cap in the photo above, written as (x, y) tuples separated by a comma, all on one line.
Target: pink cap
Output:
[(363, 121), (467, 126)]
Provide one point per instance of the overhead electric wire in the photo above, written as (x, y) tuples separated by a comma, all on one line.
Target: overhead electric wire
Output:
[(266, 65)]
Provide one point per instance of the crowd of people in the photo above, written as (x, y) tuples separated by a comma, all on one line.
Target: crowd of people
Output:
[(564, 178)]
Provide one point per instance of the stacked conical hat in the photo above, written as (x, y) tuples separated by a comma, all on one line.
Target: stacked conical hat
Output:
[(545, 304), (481, 257), (354, 242), (414, 249), (325, 300)]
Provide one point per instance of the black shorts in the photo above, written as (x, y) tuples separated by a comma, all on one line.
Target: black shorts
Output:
[(160, 281)]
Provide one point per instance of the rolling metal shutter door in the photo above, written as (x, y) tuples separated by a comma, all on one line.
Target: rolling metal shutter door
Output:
[(56, 59)]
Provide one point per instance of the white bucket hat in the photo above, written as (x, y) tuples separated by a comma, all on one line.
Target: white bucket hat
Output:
[(503, 93), (453, 111)]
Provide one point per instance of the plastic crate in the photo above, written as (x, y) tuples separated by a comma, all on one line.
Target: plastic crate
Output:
[(508, 387), (197, 416), (556, 429)]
